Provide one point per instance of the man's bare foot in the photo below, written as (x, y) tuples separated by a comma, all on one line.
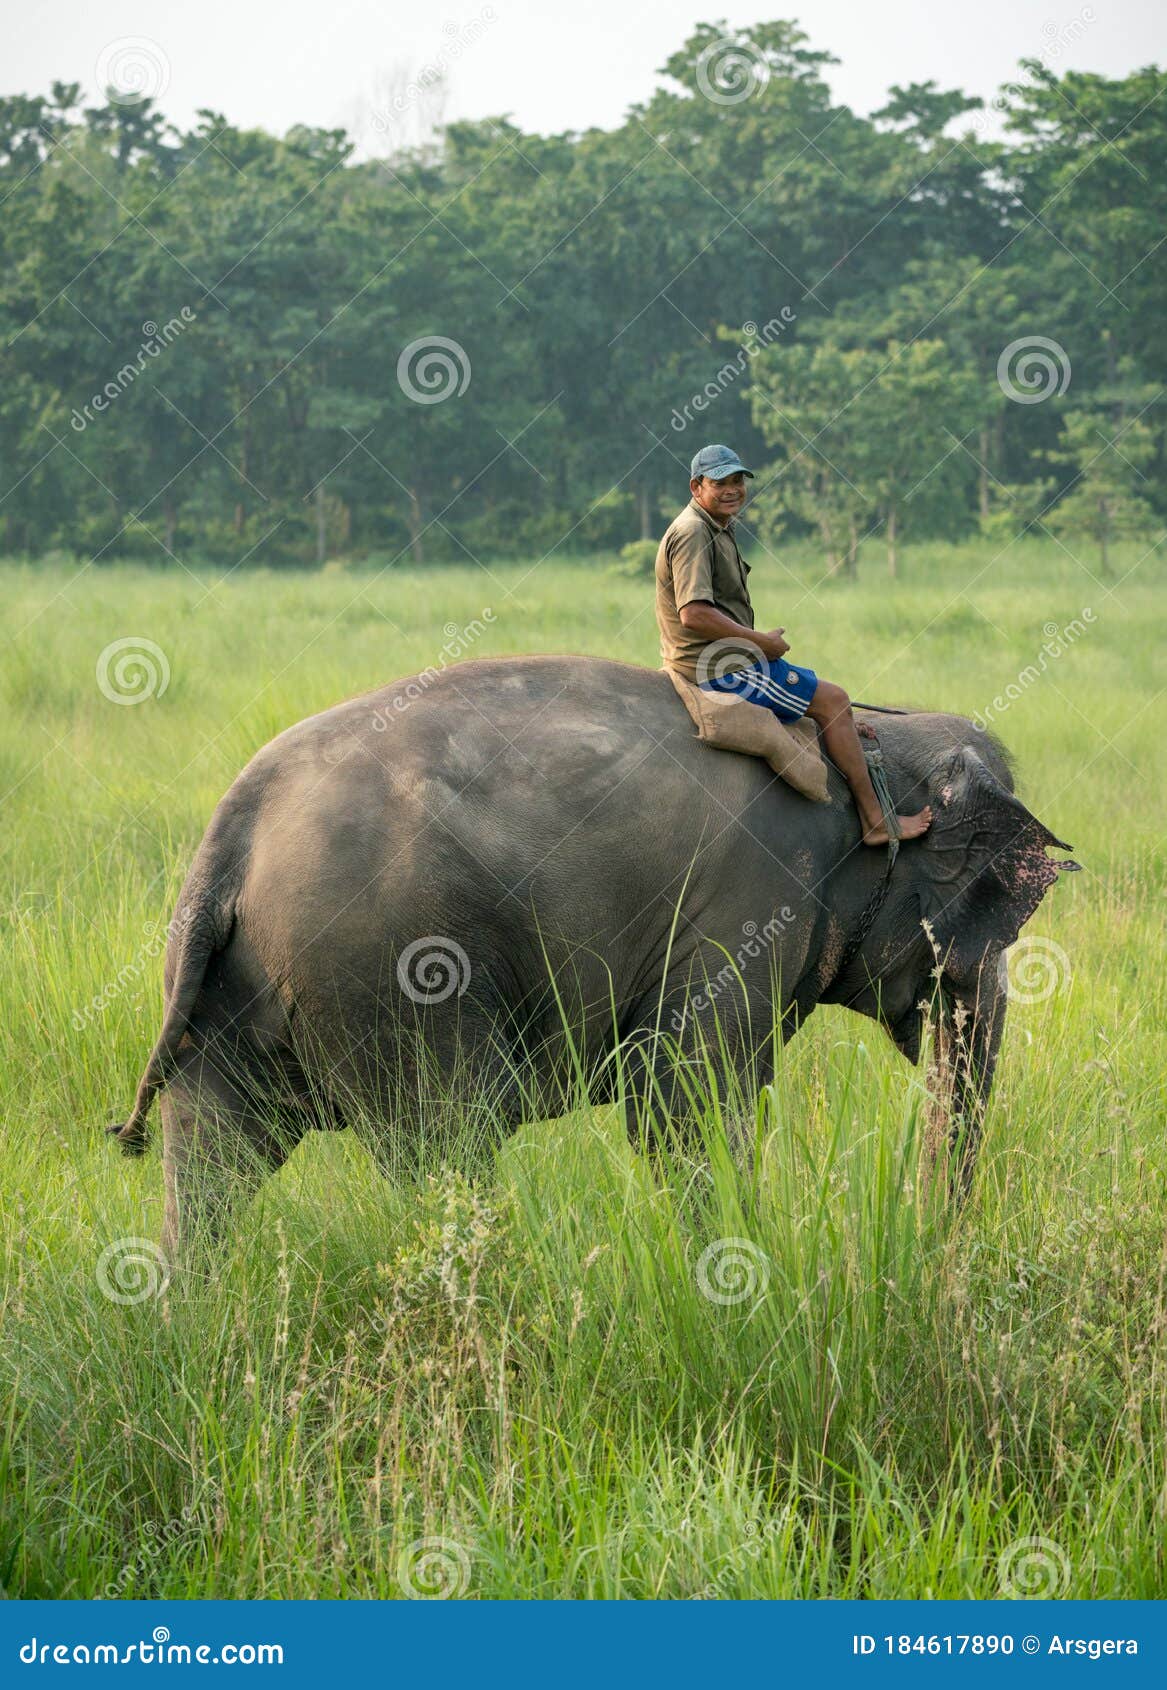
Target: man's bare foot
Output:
[(911, 827)]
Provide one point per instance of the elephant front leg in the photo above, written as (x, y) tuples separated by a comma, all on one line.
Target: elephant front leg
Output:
[(679, 1087)]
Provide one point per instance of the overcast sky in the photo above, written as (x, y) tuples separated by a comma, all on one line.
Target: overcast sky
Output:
[(552, 66)]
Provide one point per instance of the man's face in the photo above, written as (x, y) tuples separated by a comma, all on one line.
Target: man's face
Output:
[(722, 499)]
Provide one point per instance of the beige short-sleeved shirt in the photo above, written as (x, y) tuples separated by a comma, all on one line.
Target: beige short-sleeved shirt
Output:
[(698, 559)]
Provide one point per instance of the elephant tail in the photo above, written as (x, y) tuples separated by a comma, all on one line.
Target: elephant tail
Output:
[(200, 927)]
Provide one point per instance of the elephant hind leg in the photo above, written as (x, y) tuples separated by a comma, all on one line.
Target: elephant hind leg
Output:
[(221, 1136)]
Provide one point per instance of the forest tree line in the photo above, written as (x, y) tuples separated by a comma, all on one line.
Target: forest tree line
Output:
[(493, 343)]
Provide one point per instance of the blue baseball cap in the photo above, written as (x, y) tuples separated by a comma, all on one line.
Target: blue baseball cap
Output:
[(717, 462)]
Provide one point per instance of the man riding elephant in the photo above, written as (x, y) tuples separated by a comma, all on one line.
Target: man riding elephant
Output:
[(479, 895), (707, 631)]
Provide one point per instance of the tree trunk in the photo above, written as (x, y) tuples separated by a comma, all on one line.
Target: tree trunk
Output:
[(321, 524), (1112, 368), (417, 551), (834, 561), (1104, 535), (999, 441), (244, 457), (891, 541), (644, 500), (983, 473), (852, 565), (170, 518)]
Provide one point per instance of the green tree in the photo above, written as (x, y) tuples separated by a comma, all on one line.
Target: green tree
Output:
[(869, 438), (1105, 500), (911, 416), (586, 280)]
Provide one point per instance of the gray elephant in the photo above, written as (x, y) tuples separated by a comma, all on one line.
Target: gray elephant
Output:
[(489, 882)]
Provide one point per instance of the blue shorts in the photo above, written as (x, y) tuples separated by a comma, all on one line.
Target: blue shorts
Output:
[(778, 685)]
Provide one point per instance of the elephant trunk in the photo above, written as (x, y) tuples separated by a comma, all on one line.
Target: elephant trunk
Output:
[(969, 1024)]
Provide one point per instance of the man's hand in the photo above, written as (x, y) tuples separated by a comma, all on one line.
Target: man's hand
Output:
[(713, 624)]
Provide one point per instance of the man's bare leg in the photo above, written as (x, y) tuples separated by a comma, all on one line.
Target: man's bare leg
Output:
[(831, 709)]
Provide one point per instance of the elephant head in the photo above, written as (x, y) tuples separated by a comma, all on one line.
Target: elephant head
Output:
[(981, 872)]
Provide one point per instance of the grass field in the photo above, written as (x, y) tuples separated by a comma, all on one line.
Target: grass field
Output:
[(520, 1386)]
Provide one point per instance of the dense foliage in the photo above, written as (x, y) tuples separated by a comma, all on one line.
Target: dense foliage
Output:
[(212, 336)]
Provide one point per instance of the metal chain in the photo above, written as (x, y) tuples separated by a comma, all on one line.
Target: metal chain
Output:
[(874, 903)]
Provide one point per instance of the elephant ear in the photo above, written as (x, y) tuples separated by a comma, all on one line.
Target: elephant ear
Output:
[(984, 867)]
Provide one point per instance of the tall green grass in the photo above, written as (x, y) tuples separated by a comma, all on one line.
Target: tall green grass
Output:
[(572, 1371)]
